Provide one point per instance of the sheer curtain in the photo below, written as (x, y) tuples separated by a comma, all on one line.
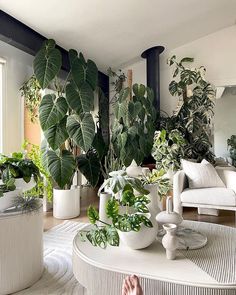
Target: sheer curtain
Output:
[(2, 84)]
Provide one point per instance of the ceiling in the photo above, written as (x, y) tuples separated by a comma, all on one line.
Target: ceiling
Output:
[(114, 33)]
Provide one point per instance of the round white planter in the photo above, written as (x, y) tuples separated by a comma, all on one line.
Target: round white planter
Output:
[(8, 198), (21, 250), (66, 203), (21, 184), (141, 239)]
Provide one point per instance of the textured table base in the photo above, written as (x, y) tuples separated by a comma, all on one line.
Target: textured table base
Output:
[(102, 282)]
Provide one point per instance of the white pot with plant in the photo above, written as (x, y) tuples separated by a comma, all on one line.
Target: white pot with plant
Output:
[(8, 194), (22, 169), (131, 221), (68, 125), (158, 186)]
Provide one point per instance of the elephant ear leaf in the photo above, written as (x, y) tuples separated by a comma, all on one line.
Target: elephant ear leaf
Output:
[(89, 166), (61, 167), (92, 74), (52, 110), (47, 63), (82, 130)]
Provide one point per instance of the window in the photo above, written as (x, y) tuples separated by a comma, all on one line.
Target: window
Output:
[(2, 66)]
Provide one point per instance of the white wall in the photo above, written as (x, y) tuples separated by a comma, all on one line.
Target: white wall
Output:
[(217, 52), (18, 68), (225, 121)]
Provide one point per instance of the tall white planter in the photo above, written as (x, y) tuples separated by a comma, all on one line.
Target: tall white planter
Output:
[(8, 199), (66, 203), (103, 199), (155, 203)]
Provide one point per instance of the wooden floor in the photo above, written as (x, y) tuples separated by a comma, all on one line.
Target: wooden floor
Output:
[(225, 217)]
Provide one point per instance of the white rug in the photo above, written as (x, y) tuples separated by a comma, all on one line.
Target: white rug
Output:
[(58, 278)]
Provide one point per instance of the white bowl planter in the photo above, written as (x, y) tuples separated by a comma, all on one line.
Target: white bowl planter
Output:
[(66, 203), (8, 198), (21, 184), (141, 239)]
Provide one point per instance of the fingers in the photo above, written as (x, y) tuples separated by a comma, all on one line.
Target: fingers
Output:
[(135, 280)]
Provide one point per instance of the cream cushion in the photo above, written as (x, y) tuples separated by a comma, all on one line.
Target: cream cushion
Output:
[(218, 196), (201, 175)]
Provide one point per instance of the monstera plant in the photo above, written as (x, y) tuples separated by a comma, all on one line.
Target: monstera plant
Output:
[(134, 124), (65, 115)]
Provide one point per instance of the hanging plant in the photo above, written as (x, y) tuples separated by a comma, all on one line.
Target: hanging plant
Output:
[(31, 91)]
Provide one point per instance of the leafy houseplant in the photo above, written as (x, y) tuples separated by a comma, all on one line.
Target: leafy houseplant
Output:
[(31, 91), (132, 220), (194, 113), (17, 166), (168, 149), (231, 142), (7, 186), (158, 177), (44, 183), (134, 124), (65, 116)]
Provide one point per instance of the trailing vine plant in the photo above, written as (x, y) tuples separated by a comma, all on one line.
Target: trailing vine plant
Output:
[(31, 91), (193, 116)]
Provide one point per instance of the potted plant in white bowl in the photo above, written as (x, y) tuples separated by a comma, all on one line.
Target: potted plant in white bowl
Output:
[(133, 226), (8, 193), (23, 170), (67, 122)]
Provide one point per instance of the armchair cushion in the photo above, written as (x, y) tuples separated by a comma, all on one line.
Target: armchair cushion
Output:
[(201, 175), (218, 196)]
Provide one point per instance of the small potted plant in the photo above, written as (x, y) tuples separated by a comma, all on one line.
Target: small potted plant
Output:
[(8, 193), (23, 170), (231, 142), (134, 226), (158, 186)]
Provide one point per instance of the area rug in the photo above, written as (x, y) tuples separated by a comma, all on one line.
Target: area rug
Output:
[(58, 278)]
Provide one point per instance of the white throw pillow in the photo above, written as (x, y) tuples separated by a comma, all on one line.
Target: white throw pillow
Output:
[(201, 175)]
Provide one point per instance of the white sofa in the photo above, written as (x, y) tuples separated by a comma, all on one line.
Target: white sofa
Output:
[(210, 198)]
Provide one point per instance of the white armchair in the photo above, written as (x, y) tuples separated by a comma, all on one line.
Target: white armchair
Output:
[(210, 198)]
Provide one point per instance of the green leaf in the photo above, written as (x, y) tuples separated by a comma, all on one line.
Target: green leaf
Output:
[(112, 208), (120, 110), (80, 99), (128, 198), (186, 59), (89, 166), (61, 167), (99, 144), (73, 54), (92, 214), (92, 74), (82, 130), (57, 134), (139, 90), (113, 238), (124, 94), (52, 110), (47, 63)]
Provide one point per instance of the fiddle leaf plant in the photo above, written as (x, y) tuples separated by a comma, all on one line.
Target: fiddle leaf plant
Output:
[(65, 115), (136, 215)]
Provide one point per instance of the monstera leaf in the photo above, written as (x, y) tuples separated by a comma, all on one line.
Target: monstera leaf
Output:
[(52, 110), (80, 99), (47, 63), (81, 129), (89, 166), (57, 134), (61, 167)]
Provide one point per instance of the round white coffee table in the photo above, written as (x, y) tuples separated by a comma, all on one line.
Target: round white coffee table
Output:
[(21, 250), (101, 272)]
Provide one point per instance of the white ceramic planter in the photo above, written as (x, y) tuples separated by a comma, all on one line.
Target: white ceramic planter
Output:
[(103, 199), (66, 203), (141, 239), (154, 205), (8, 199), (21, 184)]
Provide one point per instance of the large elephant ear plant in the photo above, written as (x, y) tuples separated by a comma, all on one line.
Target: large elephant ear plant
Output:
[(65, 116)]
